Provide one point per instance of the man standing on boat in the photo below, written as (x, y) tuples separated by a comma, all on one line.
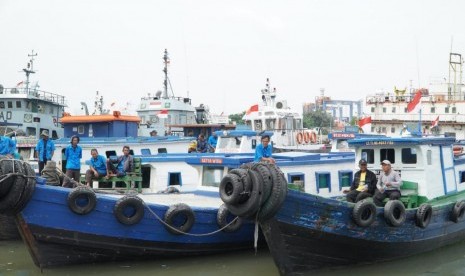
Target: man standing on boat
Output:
[(7, 146), (73, 155), (388, 184), (45, 147), (264, 150), (122, 165), (363, 185), (97, 167)]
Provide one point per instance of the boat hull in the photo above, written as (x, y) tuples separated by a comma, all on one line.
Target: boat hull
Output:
[(310, 232), (55, 236)]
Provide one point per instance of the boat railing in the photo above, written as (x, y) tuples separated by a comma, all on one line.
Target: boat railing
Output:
[(392, 98), (35, 93)]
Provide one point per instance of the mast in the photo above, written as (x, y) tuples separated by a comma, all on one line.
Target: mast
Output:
[(30, 69), (166, 61)]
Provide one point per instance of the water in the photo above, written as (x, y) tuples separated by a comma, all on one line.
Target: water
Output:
[(450, 260)]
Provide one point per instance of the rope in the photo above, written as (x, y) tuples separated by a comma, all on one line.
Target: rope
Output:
[(189, 234)]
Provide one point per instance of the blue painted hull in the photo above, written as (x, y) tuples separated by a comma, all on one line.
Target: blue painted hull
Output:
[(57, 236), (310, 232)]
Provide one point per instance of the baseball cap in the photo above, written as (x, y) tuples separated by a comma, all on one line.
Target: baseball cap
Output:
[(362, 162), (387, 162)]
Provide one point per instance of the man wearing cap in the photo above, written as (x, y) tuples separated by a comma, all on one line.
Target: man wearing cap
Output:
[(363, 185), (45, 148), (388, 184)]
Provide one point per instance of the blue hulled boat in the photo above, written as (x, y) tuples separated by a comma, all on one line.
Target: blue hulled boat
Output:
[(311, 231)]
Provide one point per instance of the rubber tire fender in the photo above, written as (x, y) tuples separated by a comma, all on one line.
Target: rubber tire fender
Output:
[(394, 213), (13, 196), (176, 211), (423, 215), (278, 194), (249, 208), (364, 213), (129, 201), (265, 174), (222, 219), (246, 182), (80, 193), (458, 211), (231, 188), (6, 166), (28, 190)]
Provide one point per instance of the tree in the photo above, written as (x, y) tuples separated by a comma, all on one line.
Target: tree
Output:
[(237, 118), (317, 118)]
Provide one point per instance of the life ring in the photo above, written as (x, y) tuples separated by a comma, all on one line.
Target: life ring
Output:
[(458, 211), (82, 200), (299, 137), (224, 217), (364, 213), (394, 212), (423, 215), (129, 210), (306, 137), (313, 138), (179, 218), (231, 188)]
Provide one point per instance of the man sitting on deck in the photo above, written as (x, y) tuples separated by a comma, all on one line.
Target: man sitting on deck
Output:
[(264, 150), (122, 165), (388, 184), (363, 185), (97, 167)]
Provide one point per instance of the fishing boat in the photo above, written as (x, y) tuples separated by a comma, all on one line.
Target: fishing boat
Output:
[(285, 122), (311, 231), (179, 213), (25, 110), (442, 103), (170, 115)]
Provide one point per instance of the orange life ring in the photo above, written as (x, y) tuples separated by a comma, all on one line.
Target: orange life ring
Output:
[(299, 137), (306, 137), (313, 138)]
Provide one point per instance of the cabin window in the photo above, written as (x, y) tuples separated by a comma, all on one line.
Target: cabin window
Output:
[(258, 125), (384, 110), (394, 110), (18, 104), (54, 134), (145, 152), (52, 110), (323, 181), (433, 109), (409, 156), (368, 155), (211, 176), (297, 179), (405, 110), (462, 176), (429, 157), (372, 110), (174, 178), (298, 124), (345, 178), (446, 110), (80, 129), (454, 109), (10, 104), (387, 154), (393, 129), (270, 124), (162, 150), (110, 153)]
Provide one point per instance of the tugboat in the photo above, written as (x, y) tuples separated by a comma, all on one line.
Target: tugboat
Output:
[(26, 110)]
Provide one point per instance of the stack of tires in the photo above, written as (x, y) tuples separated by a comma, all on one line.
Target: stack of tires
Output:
[(254, 190), (17, 182)]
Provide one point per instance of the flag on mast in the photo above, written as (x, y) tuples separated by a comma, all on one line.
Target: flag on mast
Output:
[(163, 114), (415, 101), (365, 124), (434, 123)]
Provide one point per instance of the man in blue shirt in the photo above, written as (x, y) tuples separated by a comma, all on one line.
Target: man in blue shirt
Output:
[(212, 141), (201, 144), (264, 150), (123, 164), (45, 148), (97, 167), (7, 146), (73, 155)]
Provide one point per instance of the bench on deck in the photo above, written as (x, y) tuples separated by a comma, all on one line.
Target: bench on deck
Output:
[(409, 194), (131, 179)]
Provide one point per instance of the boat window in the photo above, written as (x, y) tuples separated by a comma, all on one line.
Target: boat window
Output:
[(269, 113), (372, 110), (446, 109), (454, 109), (145, 151), (282, 124), (229, 144), (298, 124), (51, 110), (25, 153), (342, 145), (428, 157), (297, 179), (462, 176), (258, 125), (18, 104), (368, 155), (54, 134), (394, 109), (409, 156), (2, 104), (80, 129), (270, 124), (387, 154), (10, 104), (323, 181), (393, 129), (174, 178), (433, 109), (211, 176), (31, 131), (345, 178), (384, 110)]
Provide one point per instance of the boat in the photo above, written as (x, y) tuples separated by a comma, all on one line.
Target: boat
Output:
[(286, 124), (64, 226), (170, 115), (311, 231), (442, 103), (25, 110)]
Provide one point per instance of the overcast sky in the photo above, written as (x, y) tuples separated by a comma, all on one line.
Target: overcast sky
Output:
[(222, 51)]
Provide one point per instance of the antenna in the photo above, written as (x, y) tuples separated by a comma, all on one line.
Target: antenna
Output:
[(30, 69)]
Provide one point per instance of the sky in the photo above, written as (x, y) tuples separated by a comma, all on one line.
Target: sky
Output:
[(221, 52)]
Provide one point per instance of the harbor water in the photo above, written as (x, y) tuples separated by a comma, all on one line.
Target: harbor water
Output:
[(15, 260)]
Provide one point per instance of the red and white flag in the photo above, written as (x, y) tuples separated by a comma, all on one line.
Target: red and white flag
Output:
[(415, 101), (253, 108), (163, 114), (113, 104), (435, 122), (19, 83), (155, 104), (365, 124)]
